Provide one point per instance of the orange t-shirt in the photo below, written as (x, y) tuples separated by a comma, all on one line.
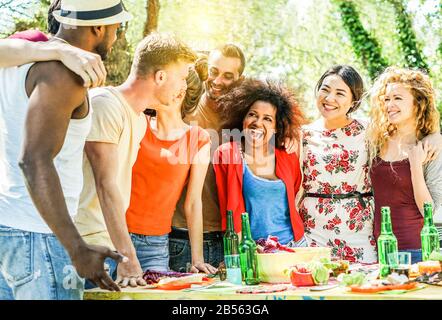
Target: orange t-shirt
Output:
[(158, 177)]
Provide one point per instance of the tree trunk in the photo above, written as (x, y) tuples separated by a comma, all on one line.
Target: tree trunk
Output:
[(153, 10)]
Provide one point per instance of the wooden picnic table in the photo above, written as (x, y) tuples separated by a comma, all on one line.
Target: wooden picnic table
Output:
[(429, 292)]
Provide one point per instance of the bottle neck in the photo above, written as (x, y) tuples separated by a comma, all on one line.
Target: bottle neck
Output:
[(386, 228), (428, 221), (386, 221), (230, 222), (428, 217), (246, 234)]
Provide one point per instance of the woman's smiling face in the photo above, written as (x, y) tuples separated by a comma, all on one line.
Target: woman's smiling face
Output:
[(334, 98), (259, 124), (399, 104)]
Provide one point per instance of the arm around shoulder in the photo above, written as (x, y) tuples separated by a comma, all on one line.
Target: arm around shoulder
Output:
[(433, 179)]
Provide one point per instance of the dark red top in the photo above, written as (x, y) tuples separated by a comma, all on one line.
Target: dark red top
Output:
[(393, 188)]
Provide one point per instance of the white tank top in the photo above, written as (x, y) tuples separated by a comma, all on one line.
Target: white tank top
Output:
[(16, 207)]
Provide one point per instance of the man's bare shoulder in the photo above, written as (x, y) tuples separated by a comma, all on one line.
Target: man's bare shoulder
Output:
[(56, 74)]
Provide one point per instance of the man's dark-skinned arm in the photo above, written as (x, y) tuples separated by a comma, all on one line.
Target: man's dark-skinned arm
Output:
[(52, 101)]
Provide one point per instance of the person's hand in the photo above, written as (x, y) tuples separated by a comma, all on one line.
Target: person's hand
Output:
[(89, 263), (291, 145), (86, 64), (431, 154), (203, 267), (418, 154), (130, 273), (434, 146)]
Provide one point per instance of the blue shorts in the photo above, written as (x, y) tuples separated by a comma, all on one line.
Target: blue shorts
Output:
[(35, 266)]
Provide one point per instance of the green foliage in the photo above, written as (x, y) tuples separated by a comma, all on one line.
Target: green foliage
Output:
[(12, 11), (407, 37), (276, 36), (119, 61), (365, 46), (39, 21), (291, 40)]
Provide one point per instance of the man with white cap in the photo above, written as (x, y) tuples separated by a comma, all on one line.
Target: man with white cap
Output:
[(32, 45), (45, 117)]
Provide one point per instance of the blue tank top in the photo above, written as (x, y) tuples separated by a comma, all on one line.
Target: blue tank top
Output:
[(267, 205)]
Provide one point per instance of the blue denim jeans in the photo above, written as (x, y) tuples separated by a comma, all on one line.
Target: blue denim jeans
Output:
[(35, 266), (5, 292), (180, 253), (152, 251)]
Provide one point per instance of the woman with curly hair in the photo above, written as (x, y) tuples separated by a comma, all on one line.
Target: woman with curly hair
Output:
[(253, 171), (403, 113)]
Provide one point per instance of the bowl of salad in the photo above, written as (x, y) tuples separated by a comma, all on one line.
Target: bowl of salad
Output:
[(276, 260)]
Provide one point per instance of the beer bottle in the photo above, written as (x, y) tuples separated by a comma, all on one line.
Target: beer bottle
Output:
[(387, 244), (429, 235), (231, 252), (247, 252)]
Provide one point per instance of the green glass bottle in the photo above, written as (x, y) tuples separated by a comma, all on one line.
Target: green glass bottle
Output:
[(387, 244), (231, 252), (429, 235), (247, 252)]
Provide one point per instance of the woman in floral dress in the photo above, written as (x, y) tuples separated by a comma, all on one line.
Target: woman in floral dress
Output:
[(337, 206)]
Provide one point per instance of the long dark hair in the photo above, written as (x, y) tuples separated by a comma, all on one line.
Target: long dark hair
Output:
[(53, 24), (195, 85)]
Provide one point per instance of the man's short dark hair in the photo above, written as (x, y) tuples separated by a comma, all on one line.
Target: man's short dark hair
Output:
[(53, 24), (233, 51)]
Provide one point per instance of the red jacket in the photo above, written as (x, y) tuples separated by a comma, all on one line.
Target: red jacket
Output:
[(228, 166)]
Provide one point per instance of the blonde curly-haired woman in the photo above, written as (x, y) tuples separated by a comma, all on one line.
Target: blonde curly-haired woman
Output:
[(403, 113)]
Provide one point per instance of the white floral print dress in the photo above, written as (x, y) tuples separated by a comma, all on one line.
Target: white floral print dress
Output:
[(336, 162)]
